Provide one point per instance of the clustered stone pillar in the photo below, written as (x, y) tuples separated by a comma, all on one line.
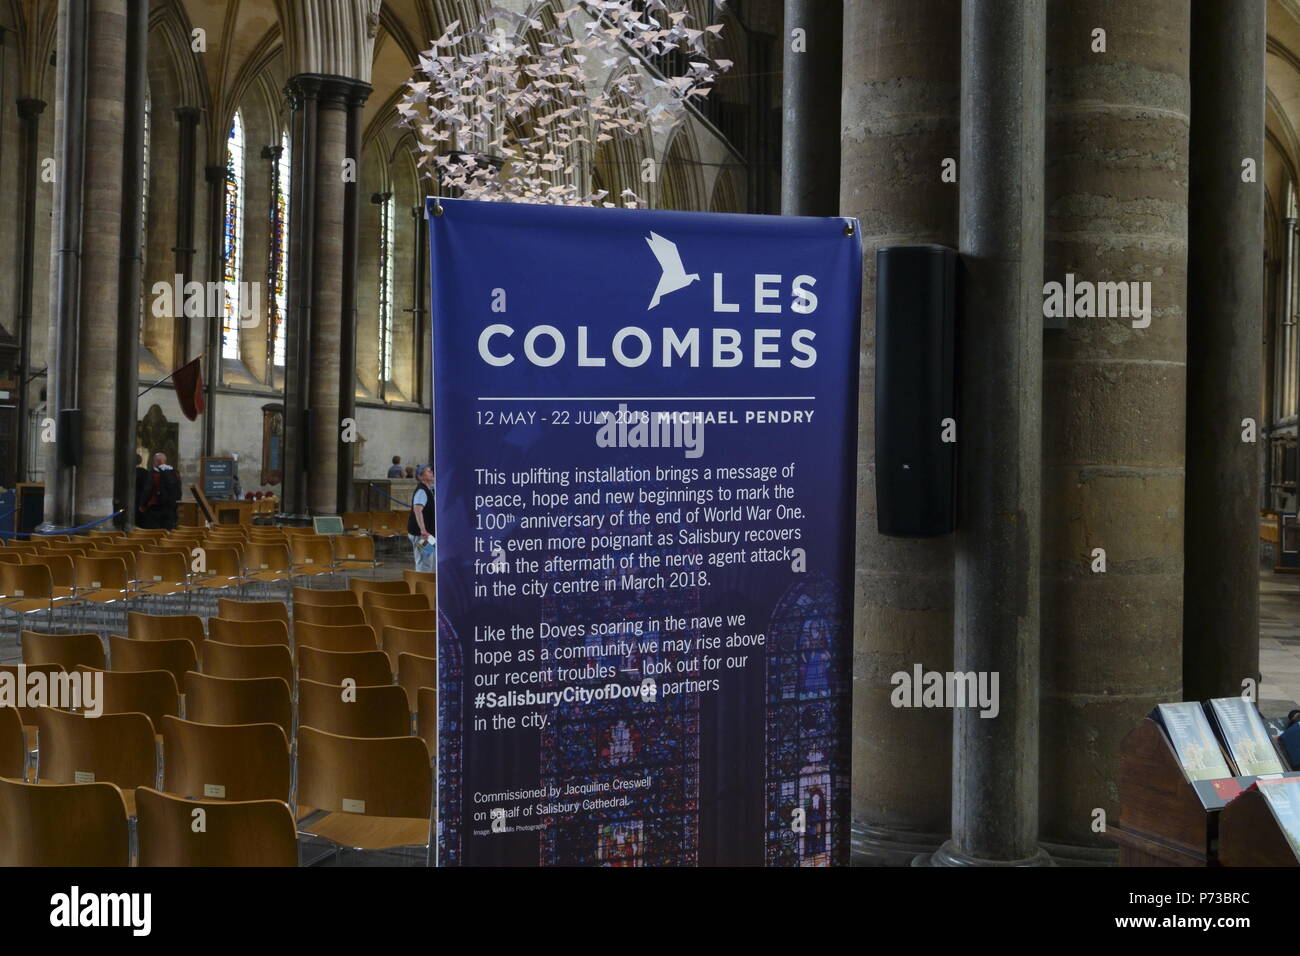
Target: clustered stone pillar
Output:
[(996, 579), (321, 324), (100, 243), (187, 117), (29, 113), (1113, 393), (900, 105), (810, 107), (1225, 304)]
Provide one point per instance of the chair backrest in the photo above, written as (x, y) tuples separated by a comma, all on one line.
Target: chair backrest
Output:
[(225, 761), (321, 597), (337, 615), (352, 547), (380, 776), (382, 617), (224, 560), (329, 637), (356, 520), (309, 550), (117, 748), (397, 602), (12, 557), (402, 640), (161, 568), (35, 831), (26, 581), (232, 700), (233, 610), (379, 711), (165, 627), (426, 717), (248, 632), (414, 672), (176, 657), (422, 582), (360, 585), (21, 678), (244, 661), (332, 667), (152, 693), (246, 833), (111, 573), (13, 743), (67, 650), (266, 556), (60, 566)]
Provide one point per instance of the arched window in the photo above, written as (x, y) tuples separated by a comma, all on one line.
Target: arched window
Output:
[(232, 245), (144, 211), (386, 255), (278, 266)]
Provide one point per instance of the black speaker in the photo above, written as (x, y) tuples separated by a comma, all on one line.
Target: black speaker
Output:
[(916, 296), (68, 437)]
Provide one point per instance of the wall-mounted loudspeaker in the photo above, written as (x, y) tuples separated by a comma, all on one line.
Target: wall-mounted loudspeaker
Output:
[(916, 416)]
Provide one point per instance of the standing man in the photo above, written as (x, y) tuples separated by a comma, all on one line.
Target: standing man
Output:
[(164, 495), (417, 527)]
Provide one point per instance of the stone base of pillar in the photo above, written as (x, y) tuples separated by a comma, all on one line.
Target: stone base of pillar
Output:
[(949, 855), (1070, 854), (886, 846)]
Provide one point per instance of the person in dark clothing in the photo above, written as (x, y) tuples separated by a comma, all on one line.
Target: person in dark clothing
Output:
[(419, 522), (164, 493), (142, 488)]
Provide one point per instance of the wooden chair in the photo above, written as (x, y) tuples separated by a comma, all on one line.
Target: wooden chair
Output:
[(359, 586), (21, 674), (166, 627), (245, 833), (61, 577), (248, 632), (267, 563), (358, 781), (225, 761), (382, 617), (228, 700), (356, 521), (321, 597), (11, 557), (336, 615), (113, 748), (176, 657), (414, 672), (152, 693), (66, 650), (311, 556), (242, 661), (388, 524), (426, 719), (35, 825), (13, 744), (27, 589), (353, 552), (162, 575), (233, 610), (102, 582), (367, 668), (379, 711), (397, 602), (225, 569), (401, 640), (422, 582), (328, 637)]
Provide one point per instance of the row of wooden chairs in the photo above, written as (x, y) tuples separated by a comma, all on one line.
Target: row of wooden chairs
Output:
[(370, 794)]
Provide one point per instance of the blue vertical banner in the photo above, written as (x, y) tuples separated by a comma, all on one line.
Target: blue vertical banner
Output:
[(646, 433)]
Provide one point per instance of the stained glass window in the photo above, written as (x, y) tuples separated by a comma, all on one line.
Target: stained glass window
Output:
[(144, 211), (386, 289), (278, 266), (232, 246)]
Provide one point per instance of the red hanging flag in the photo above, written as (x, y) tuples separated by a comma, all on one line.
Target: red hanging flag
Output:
[(188, 380)]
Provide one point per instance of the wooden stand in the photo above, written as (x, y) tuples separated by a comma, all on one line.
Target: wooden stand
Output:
[(1161, 820), (1249, 834)]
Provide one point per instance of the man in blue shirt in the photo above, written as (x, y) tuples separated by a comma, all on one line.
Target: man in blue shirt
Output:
[(417, 526)]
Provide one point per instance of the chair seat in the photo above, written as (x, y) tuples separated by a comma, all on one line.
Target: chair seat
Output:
[(27, 605), (268, 575), (362, 832), (164, 588), (357, 565), (103, 597)]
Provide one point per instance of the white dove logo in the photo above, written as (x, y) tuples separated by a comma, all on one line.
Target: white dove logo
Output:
[(674, 275)]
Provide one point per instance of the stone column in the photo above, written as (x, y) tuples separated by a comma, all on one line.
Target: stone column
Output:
[(214, 175), (1224, 312), (130, 262), (999, 453), (65, 247), (100, 243), (347, 351), (29, 114), (1113, 394), (810, 107), (187, 117), (899, 109)]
